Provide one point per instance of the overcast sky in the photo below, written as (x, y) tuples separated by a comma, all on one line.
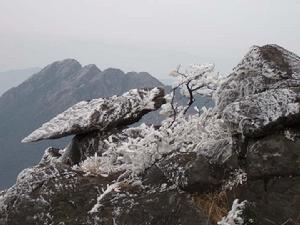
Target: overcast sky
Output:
[(143, 35)]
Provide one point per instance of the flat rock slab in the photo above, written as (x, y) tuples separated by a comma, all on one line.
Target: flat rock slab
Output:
[(100, 114)]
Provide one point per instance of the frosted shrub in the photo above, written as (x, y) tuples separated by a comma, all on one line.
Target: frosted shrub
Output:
[(139, 151), (138, 148), (196, 79), (196, 133), (93, 166), (201, 79), (236, 178), (234, 216)]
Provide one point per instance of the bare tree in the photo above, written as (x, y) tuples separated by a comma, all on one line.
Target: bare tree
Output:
[(195, 80)]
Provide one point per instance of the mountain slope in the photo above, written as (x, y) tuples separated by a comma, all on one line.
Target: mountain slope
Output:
[(47, 93), (13, 78)]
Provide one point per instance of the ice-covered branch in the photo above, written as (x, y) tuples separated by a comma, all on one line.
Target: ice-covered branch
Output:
[(234, 216), (195, 80)]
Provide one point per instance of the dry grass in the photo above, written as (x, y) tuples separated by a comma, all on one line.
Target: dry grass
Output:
[(214, 205), (291, 222)]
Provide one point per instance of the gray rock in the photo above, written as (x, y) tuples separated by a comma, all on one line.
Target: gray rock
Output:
[(273, 156), (274, 201), (193, 172)]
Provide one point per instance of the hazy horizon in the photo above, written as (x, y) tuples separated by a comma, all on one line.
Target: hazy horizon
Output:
[(152, 36)]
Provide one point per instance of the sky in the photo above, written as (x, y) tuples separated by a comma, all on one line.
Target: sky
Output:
[(143, 35)]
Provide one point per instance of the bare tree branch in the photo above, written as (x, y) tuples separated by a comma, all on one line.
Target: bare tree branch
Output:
[(191, 97)]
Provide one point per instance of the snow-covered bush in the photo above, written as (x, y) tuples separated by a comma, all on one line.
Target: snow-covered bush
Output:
[(140, 147), (194, 80), (199, 78), (132, 152), (236, 178), (194, 132), (234, 216), (93, 166), (137, 148), (138, 152)]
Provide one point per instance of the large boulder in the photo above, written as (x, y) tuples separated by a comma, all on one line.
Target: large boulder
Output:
[(274, 156), (262, 68), (194, 172), (275, 200), (260, 104)]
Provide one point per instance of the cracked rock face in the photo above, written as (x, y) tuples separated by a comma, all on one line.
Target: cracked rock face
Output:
[(258, 103)]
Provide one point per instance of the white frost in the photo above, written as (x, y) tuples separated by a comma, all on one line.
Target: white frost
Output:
[(109, 188), (234, 216)]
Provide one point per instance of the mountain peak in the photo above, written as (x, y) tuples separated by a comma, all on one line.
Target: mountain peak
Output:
[(88, 72), (68, 61), (91, 67), (111, 70), (63, 64), (63, 69)]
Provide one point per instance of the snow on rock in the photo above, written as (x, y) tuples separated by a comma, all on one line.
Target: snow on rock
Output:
[(100, 114), (262, 68), (109, 188), (262, 91), (254, 114)]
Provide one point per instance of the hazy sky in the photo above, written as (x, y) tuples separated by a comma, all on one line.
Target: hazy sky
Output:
[(143, 35)]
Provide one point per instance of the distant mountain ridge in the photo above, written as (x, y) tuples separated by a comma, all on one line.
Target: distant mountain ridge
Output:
[(47, 93)]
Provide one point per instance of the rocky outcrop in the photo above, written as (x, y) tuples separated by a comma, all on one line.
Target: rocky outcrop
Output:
[(59, 195), (258, 162), (260, 104)]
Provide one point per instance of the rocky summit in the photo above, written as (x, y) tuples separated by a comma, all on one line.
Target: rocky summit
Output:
[(236, 163)]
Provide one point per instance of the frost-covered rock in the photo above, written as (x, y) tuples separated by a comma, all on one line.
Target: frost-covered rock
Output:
[(262, 68), (100, 114), (193, 172), (56, 194), (257, 114)]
